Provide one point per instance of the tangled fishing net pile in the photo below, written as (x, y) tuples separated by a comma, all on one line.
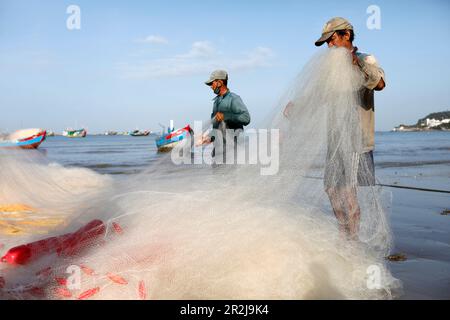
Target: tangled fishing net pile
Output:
[(205, 232)]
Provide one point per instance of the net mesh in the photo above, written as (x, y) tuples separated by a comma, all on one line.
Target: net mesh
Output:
[(213, 231)]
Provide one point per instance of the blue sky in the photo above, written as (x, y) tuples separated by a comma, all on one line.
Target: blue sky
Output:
[(140, 63)]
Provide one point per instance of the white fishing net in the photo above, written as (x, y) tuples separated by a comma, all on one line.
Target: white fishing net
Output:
[(210, 232)]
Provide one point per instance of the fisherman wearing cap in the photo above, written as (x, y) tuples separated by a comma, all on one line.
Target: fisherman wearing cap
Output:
[(229, 111), (338, 32)]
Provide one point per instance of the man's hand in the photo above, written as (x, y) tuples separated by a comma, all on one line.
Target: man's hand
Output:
[(287, 110), (205, 139), (355, 57), (380, 86), (219, 117)]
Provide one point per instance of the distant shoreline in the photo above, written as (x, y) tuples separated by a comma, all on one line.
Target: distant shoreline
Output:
[(437, 121), (418, 130)]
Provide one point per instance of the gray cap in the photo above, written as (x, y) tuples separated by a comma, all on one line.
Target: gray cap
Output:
[(217, 75), (331, 27)]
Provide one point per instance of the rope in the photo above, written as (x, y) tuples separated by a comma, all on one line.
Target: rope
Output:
[(412, 188), (396, 186)]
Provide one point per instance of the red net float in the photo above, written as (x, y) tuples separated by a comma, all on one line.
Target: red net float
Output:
[(66, 245)]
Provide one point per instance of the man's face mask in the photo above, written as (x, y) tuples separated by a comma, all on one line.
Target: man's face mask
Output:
[(217, 88)]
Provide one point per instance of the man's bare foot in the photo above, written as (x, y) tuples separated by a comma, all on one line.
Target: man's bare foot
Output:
[(353, 237), (343, 230)]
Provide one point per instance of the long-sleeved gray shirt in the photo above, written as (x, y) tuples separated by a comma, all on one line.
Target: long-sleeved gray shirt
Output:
[(234, 110)]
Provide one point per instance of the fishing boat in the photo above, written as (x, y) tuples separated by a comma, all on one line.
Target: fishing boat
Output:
[(168, 140), (138, 133), (70, 133), (25, 139)]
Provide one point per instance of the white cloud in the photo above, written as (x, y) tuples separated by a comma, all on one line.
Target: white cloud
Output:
[(202, 58), (257, 58), (199, 49), (153, 39)]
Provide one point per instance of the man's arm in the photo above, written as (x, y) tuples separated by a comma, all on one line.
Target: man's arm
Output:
[(375, 78), (216, 117), (240, 112), (214, 111), (287, 110), (380, 86)]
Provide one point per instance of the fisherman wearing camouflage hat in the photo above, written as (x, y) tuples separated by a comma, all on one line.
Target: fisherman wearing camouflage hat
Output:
[(339, 32)]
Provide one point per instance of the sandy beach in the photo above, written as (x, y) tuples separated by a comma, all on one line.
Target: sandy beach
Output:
[(421, 231)]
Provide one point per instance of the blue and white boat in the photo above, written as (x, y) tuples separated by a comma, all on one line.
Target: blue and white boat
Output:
[(172, 137), (25, 139)]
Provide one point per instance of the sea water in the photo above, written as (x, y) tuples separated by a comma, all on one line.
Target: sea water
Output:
[(127, 155)]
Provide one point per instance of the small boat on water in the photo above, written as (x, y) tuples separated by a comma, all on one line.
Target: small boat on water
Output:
[(139, 133), (167, 141), (25, 139), (70, 133)]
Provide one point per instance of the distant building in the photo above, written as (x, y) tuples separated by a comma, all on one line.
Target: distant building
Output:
[(434, 122)]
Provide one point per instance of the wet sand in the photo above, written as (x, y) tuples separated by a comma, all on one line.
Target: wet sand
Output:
[(421, 231)]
